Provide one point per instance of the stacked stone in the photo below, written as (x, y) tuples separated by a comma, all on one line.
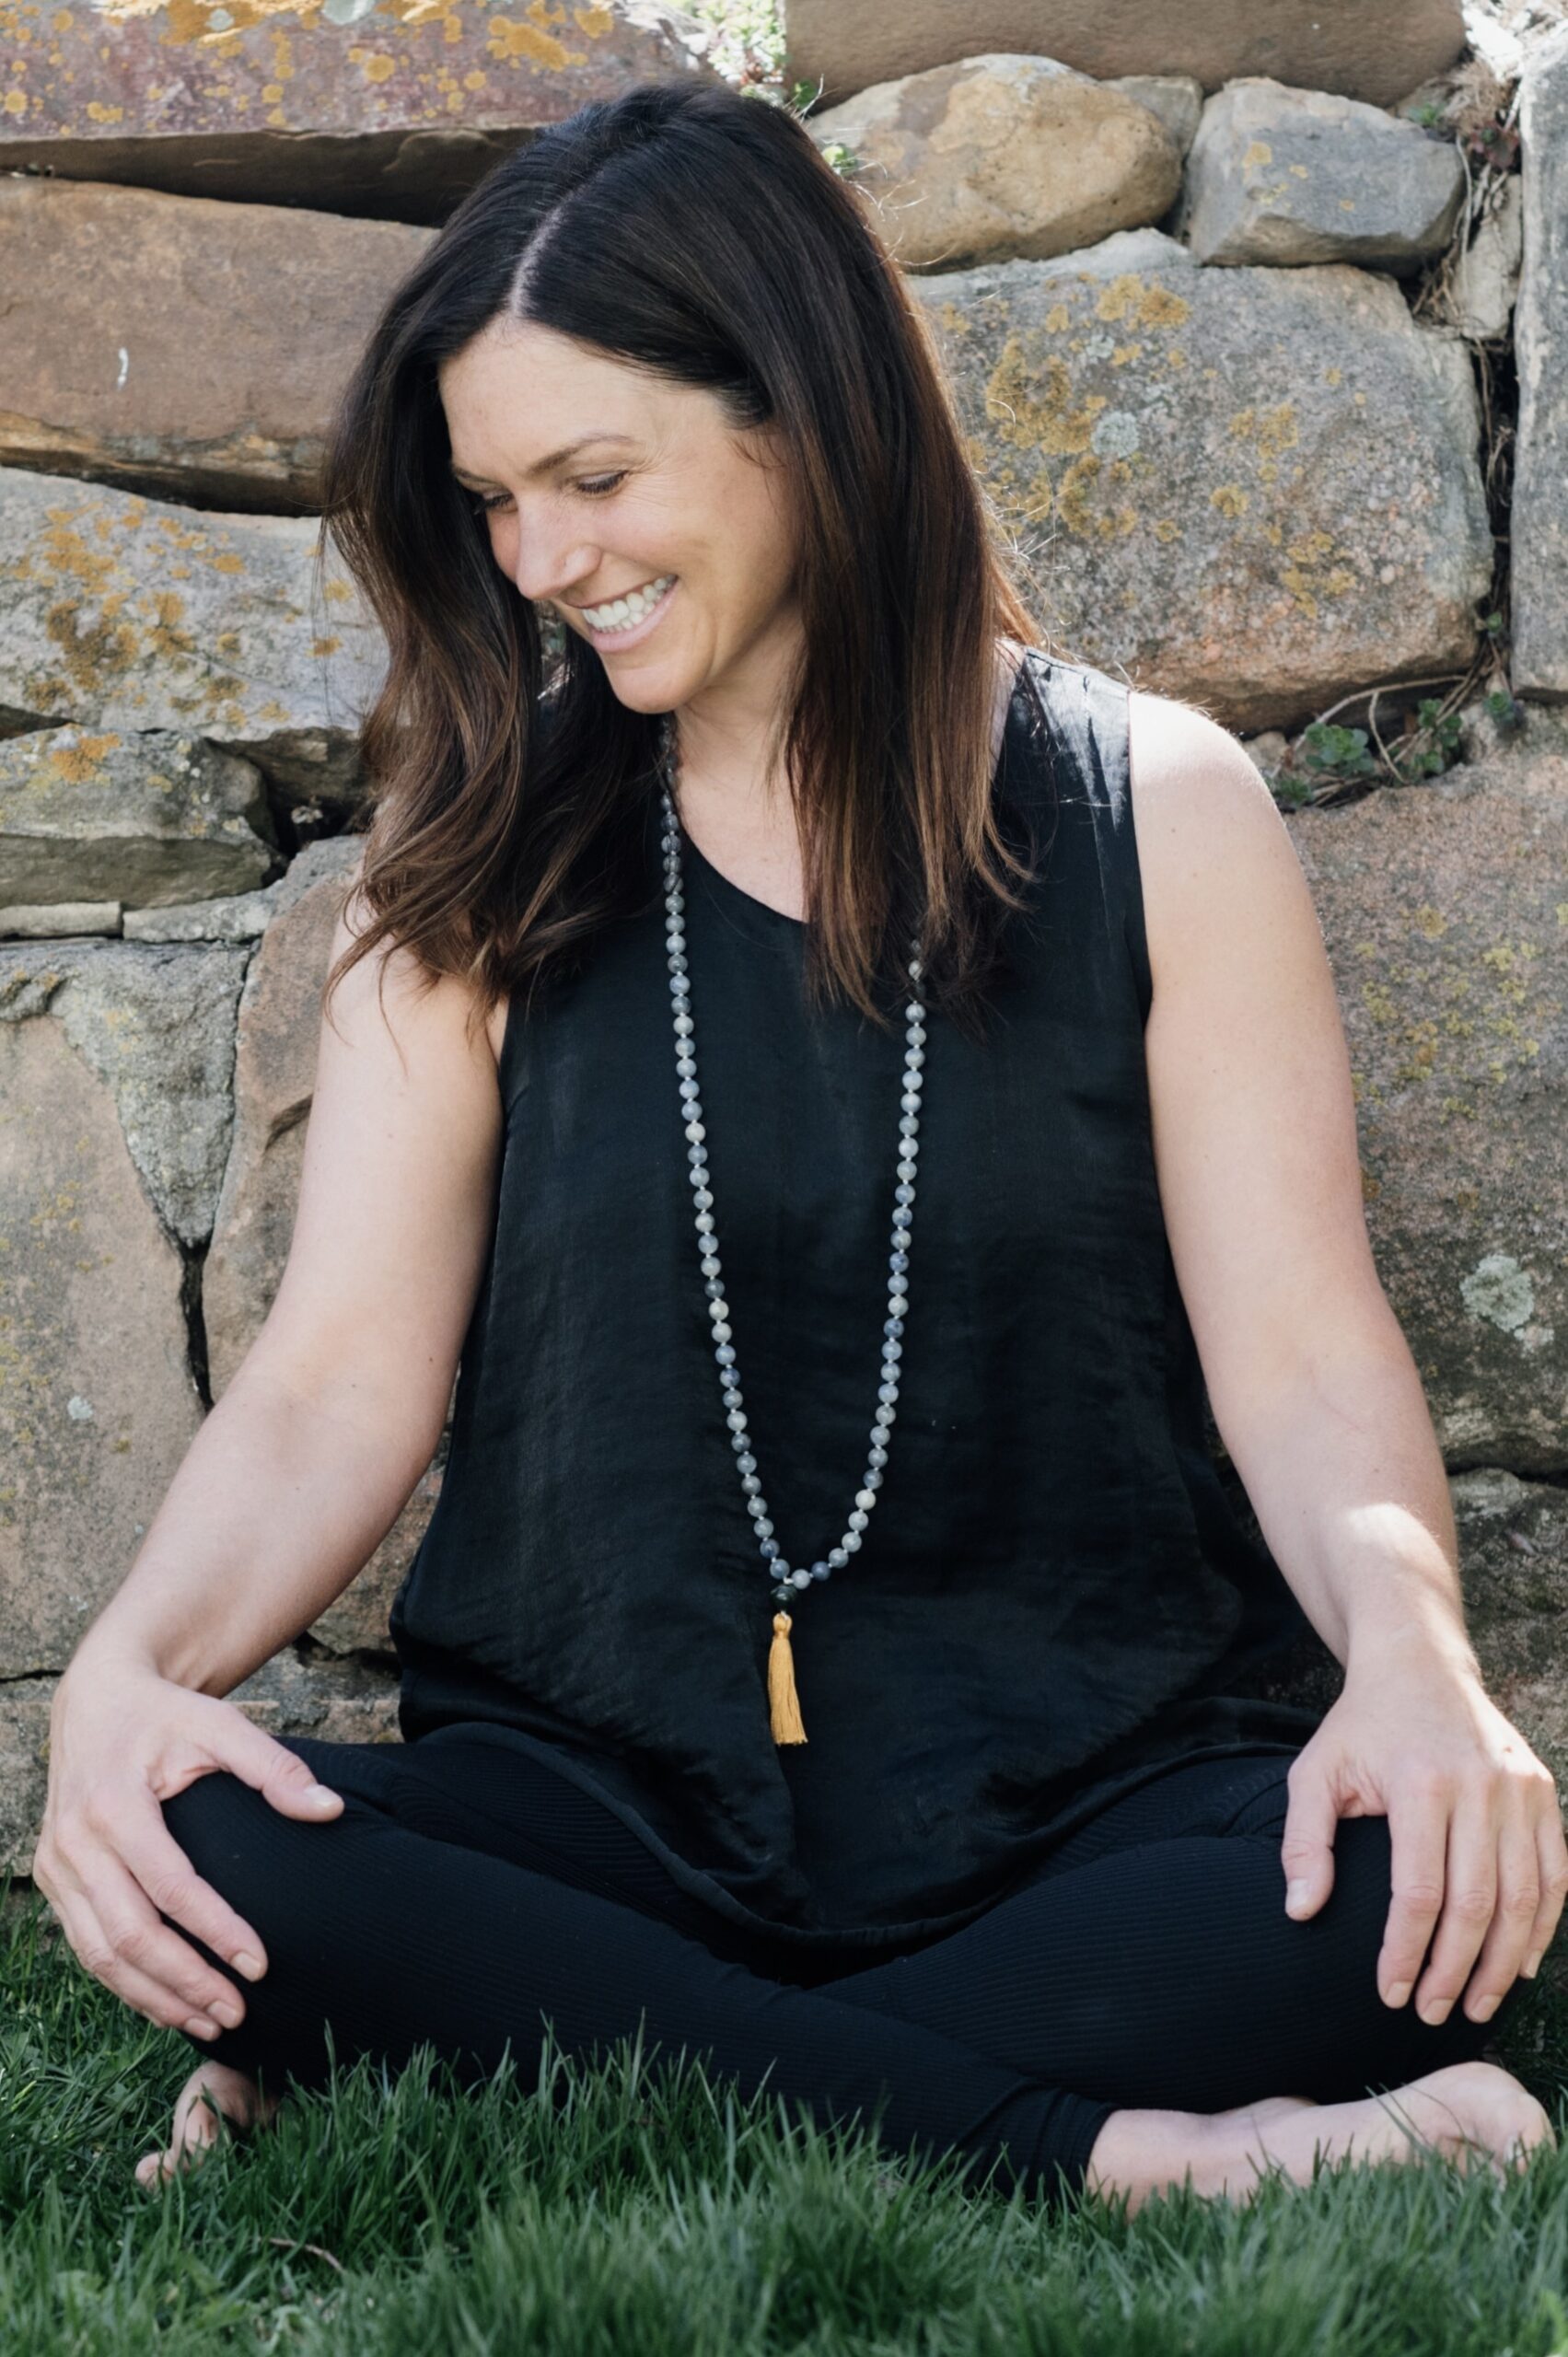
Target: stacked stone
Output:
[(1178, 273)]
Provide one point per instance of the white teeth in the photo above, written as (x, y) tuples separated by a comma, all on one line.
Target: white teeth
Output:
[(622, 612)]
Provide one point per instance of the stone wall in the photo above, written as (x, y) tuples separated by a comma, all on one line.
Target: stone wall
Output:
[(1233, 308)]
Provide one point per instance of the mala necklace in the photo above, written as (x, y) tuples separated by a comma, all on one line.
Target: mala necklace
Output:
[(783, 1706)]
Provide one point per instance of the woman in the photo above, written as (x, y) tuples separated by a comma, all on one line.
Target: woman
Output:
[(960, 1822)]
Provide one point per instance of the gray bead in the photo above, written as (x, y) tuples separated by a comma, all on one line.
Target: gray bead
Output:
[(859, 1518), (801, 1579), (836, 1558), (821, 1571)]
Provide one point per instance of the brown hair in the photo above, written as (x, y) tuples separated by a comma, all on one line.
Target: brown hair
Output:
[(697, 233)]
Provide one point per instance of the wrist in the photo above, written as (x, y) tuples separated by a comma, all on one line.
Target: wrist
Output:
[(1422, 1642)]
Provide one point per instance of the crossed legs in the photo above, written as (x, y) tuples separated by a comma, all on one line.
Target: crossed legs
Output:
[(466, 1895)]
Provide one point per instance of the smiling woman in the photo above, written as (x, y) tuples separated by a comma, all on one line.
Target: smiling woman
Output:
[(999, 1084)]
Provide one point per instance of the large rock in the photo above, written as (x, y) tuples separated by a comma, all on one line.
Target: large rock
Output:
[(1445, 907), (1373, 53), (1485, 277), (1176, 98), (1004, 156), (1278, 175), (393, 107), (143, 821), (1254, 488), (155, 1027), (122, 614), (97, 1407), (274, 1073), (107, 292), (1514, 1557), (1538, 553)]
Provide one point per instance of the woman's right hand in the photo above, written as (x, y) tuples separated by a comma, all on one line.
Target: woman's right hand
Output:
[(122, 1740)]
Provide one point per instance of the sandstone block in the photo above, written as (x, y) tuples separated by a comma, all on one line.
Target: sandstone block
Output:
[(1372, 53), (1255, 488), (1176, 99), (1539, 553), (1486, 275), (108, 291), (97, 1407), (274, 1077), (390, 107), (59, 920), (155, 1027), (88, 815), (123, 614), (1445, 912), (1004, 156), (1277, 174)]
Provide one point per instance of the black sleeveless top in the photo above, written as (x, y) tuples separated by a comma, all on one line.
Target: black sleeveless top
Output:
[(1052, 1599)]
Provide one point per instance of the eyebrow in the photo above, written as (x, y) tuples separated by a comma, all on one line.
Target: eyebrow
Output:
[(545, 466)]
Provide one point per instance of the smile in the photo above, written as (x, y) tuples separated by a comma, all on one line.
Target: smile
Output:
[(620, 618)]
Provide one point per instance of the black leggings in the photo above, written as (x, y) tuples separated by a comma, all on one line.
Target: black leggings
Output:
[(467, 1892)]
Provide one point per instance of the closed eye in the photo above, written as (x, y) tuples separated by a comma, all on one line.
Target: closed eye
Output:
[(599, 487)]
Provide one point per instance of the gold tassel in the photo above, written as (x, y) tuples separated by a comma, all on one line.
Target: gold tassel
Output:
[(782, 1706)]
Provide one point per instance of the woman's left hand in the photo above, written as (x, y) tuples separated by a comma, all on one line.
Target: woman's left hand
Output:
[(1474, 1819)]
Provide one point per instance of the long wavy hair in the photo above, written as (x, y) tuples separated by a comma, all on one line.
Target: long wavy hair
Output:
[(699, 234)]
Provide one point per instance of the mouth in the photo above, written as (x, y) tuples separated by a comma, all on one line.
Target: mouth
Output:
[(625, 622)]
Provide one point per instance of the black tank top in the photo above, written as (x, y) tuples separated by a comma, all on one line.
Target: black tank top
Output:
[(1052, 1599)]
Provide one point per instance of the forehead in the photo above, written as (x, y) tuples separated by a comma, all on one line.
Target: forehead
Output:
[(528, 383)]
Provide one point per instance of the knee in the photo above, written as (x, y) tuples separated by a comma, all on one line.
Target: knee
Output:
[(1382, 2044), (245, 1849)]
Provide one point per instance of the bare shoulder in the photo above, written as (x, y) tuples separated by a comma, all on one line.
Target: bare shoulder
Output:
[(1212, 845), (390, 990)]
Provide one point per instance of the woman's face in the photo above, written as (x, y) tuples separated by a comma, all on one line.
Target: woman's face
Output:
[(659, 501)]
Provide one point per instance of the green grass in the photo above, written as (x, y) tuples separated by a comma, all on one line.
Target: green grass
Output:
[(642, 2208)]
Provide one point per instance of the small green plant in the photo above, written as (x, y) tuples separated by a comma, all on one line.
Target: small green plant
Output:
[(1324, 750), (1429, 114), (1504, 711), (1432, 745)]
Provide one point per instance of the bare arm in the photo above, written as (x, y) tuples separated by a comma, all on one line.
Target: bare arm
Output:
[(298, 1472), (307, 1458), (1313, 1383)]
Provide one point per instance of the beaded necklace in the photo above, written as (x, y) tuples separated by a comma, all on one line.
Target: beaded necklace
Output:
[(783, 1706)]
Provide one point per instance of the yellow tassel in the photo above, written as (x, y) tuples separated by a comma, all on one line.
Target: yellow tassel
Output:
[(782, 1706)]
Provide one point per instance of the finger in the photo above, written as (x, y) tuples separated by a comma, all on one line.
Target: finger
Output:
[(1551, 1864), (1506, 1943), (1418, 1834), (94, 1951), (1306, 1845), (161, 1868), (145, 1944), (1470, 1902), (280, 1775)]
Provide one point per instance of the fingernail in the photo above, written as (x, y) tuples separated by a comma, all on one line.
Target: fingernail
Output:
[(1297, 1894), (1531, 1965), (1485, 2010), (200, 2028), (225, 2010), (1435, 2010), (1399, 1992), (318, 1793), (250, 1966)]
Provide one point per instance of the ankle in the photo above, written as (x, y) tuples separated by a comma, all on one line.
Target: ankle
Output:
[(1144, 2153)]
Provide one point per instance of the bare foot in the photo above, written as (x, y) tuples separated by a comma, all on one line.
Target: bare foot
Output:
[(238, 2098), (1468, 2112)]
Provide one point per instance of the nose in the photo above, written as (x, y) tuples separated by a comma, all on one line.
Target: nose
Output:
[(546, 566)]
